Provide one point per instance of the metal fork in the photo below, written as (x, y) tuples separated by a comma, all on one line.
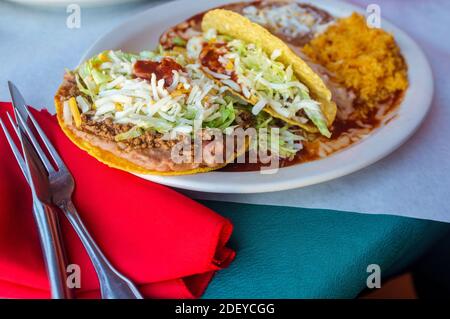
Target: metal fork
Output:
[(55, 187), (48, 228)]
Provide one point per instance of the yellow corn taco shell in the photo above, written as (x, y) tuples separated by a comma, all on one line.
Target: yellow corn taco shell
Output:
[(114, 161), (237, 26)]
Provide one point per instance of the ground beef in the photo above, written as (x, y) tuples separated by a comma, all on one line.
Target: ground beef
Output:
[(245, 119), (107, 129), (69, 86)]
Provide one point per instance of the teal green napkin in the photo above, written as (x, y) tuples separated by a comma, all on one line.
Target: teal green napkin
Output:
[(285, 252)]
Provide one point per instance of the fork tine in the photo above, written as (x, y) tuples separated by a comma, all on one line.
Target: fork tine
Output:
[(59, 162), (13, 124), (34, 142), (14, 148)]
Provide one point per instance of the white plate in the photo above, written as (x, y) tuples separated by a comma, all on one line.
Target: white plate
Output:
[(142, 32)]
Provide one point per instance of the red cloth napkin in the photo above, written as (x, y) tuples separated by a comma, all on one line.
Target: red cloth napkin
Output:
[(165, 242)]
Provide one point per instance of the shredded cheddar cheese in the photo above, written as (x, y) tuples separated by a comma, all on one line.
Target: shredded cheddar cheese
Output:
[(180, 90), (229, 65), (103, 57), (75, 111)]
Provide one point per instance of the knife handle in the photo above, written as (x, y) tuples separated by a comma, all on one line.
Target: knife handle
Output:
[(52, 246)]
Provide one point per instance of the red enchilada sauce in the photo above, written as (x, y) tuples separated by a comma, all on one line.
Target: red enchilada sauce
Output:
[(163, 70), (209, 57), (307, 154), (210, 54), (309, 151)]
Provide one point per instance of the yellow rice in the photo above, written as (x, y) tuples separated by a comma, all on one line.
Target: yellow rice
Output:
[(365, 60)]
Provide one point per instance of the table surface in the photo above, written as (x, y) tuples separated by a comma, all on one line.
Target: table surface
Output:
[(37, 45), (311, 251)]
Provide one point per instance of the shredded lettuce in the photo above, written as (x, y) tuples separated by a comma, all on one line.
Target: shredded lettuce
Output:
[(227, 117), (147, 55), (132, 133), (263, 120), (179, 41), (108, 87), (312, 110), (100, 77), (289, 139), (270, 81), (85, 80)]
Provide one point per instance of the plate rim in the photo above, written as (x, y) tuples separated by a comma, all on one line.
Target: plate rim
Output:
[(58, 3), (284, 180)]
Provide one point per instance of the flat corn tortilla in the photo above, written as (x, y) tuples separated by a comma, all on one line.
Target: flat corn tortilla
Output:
[(115, 161), (237, 26)]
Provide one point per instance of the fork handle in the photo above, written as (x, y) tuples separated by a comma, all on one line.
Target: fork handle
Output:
[(52, 247), (113, 285)]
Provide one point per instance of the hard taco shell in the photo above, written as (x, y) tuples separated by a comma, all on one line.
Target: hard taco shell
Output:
[(239, 27)]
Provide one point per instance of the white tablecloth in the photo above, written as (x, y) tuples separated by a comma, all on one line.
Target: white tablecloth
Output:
[(414, 181)]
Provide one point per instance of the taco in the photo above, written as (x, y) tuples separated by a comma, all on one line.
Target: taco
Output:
[(262, 70), (133, 111)]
